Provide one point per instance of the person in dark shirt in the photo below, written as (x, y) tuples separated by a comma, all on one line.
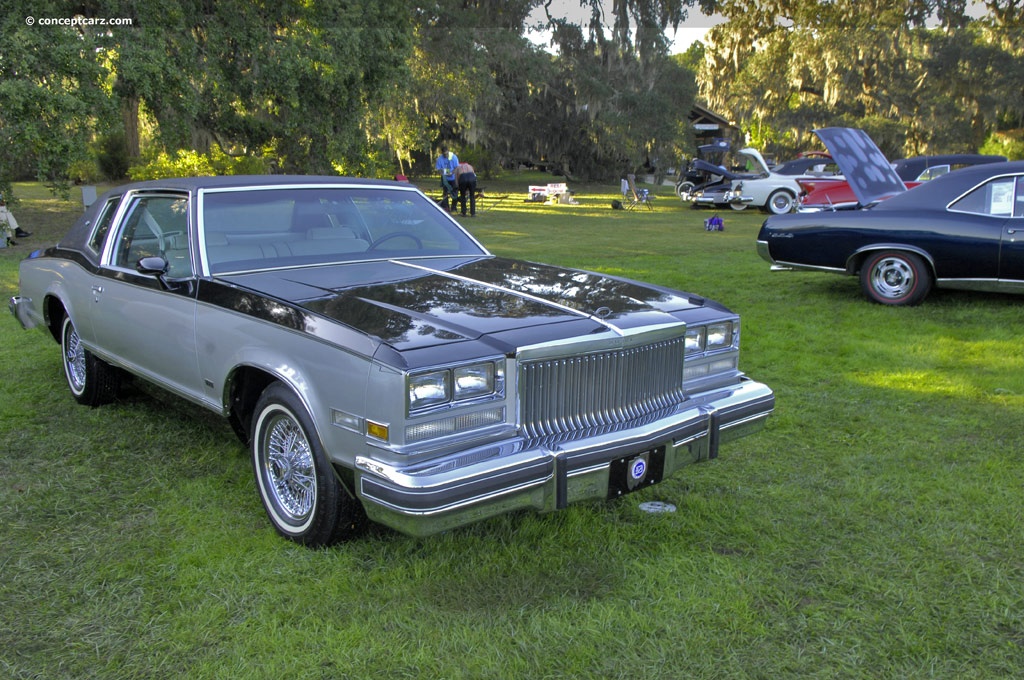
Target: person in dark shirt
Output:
[(465, 180)]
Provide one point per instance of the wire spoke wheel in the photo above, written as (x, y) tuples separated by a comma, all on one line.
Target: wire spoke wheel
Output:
[(296, 481), (91, 381), (74, 359), (289, 468)]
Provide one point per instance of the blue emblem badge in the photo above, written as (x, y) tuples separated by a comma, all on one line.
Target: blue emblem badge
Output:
[(638, 469)]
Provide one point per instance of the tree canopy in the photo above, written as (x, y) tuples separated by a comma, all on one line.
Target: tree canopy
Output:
[(919, 75), (374, 87)]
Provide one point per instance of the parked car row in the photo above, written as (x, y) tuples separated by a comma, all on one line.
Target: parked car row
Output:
[(773, 189), (808, 183), (963, 229), (837, 194)]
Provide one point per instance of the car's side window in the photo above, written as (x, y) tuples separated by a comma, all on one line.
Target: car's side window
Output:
[(933, 172), (103, 222), (992, 198), (155, 226)]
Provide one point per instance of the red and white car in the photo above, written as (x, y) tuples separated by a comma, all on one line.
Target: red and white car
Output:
[(836, 193)]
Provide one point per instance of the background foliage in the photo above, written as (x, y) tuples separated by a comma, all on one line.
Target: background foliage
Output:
[(921, 76), (374, 87)]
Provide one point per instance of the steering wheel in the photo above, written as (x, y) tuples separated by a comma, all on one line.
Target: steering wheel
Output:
[(397, 234)]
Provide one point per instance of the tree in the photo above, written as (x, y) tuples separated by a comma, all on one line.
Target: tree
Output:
[(51, 93), (916, 89), (293, 79), (346, 85)]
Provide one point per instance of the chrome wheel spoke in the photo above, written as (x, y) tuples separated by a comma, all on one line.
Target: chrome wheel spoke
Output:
[(289, 468), (893, 278), (74, 358)]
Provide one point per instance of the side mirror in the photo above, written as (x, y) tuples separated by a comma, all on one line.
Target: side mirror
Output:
[(154, 266)]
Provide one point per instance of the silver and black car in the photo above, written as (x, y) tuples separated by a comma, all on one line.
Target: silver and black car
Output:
[(378, 360)]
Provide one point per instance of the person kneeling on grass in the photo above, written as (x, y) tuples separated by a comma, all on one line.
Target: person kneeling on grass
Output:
[(9, 229), (465, 179)]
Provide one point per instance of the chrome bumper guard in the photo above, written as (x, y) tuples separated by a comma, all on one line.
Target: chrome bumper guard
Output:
[(473, 485), (19, 307), (728, 197), (735, 198)]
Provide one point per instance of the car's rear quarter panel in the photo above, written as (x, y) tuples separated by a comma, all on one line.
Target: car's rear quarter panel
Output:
[(955, 243)]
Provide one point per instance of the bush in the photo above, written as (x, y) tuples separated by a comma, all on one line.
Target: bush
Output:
[(112, 156), (188, 163), (85, 172), (1009, 143)]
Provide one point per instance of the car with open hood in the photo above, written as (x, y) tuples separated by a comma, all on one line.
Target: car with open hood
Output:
[(962, 230), (837, 194), (774, 189), (378, 361)]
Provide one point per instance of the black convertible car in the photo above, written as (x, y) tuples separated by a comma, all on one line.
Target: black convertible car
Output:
[(962, 230)]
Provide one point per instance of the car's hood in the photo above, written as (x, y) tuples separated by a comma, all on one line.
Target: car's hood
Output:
[(713, 169), (415, 304), (865, 167), (755, 157)]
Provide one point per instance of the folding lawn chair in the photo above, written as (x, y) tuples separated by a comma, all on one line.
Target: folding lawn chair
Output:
[(637, 196), (485, 201)]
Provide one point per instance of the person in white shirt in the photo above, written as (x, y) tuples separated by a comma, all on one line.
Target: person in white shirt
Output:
[(9, 228)]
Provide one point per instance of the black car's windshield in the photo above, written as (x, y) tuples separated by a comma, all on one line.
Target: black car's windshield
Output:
[(246, 229)]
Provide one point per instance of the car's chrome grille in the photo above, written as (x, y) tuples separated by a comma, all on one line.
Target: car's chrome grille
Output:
[(589, 390)]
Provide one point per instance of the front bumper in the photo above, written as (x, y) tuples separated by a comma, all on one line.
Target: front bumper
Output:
[(475, 484), (726, 198)]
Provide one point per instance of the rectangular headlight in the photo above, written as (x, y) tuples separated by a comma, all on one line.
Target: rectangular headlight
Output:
[(719, 335), (450, 386), (695, 339), (474, 381), (429, 389)]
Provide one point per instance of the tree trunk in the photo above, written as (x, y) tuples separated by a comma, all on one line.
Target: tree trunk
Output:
[(130, 118)]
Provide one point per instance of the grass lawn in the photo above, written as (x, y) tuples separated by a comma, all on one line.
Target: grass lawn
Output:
[(873, 530)]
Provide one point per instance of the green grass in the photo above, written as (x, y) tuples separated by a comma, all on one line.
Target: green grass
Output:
[(872, 530)]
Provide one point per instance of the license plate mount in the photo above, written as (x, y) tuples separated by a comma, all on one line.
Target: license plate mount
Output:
[(635, 472)]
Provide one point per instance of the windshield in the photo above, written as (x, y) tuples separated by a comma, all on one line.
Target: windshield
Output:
[(260, 228)]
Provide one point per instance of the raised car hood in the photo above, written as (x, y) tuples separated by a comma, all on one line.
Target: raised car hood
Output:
[(865, 167), (755, 156), (425, 303), (713, 169)]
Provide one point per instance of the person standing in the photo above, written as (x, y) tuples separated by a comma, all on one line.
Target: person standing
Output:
[(446, 164), (465, 180)]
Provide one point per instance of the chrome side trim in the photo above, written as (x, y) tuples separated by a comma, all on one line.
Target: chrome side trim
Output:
[(889, 246), (780, 265), (983, 285)]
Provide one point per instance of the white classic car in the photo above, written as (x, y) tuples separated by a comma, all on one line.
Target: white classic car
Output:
[(774, 190), (377, 360)]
